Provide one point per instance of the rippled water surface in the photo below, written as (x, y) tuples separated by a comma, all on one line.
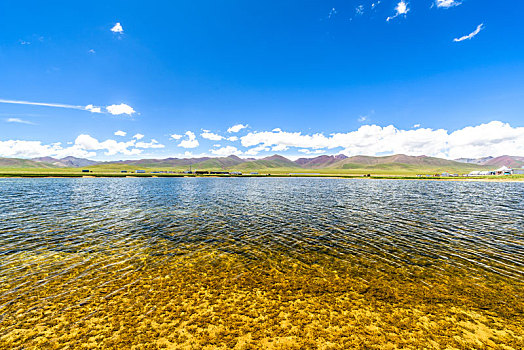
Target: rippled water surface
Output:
[(222, 263)]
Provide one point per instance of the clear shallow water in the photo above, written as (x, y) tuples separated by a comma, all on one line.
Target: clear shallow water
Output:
[(264, 262)]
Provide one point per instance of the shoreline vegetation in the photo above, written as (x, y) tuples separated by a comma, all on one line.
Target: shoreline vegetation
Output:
[(75, 173)]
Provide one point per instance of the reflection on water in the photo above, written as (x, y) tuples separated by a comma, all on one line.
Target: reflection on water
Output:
[(263, 262)]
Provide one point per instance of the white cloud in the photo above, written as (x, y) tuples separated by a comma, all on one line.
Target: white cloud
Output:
[(91, 51), (375, 4), (226, 151), (236, 128), (416, 126), (362, 118), (93, 109), (332, 12), (191, 141), (117, 28), (276, 130), (279, 148), (494, 138), (31, 149), (232, 138), (19, 121), (113, 109), (359, 10), (111, 147), (211, 136), (447, 3), (470, 35), (401, 9), (120, 133), (120, 109), (176, 136), (256, 150), (153, 144), (138, 136), (307, 151)]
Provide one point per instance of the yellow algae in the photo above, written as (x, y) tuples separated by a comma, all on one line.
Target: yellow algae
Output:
[(215, 300)]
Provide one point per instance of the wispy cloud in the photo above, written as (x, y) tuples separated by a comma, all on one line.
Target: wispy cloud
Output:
[(362, 118), (332, 12), (112, 109), (402, 8), (447, 3), (470, 35), (19, 121), (117, 28)]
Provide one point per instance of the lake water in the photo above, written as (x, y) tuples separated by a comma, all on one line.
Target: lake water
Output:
[(283, 263)]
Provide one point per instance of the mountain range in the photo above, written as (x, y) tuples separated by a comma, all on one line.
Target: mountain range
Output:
[(340, 161)]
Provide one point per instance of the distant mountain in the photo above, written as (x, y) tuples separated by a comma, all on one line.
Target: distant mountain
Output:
[(23, 163), (270, 162), (320, 161), (67, 162), (396, 159), (398, 163), (509, 161), (479, 161)]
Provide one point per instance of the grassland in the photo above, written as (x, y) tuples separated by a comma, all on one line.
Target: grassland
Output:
[(376, 172)]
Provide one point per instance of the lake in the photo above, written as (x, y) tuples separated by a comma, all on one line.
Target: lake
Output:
[(283, 263)]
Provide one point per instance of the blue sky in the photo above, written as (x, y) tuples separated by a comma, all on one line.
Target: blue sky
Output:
[(440, 78)]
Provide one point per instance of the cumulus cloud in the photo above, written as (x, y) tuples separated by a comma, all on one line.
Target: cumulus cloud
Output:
[(416, 126), (153, 144), (226, 151), (256, 150), (236, 128), (19, 121), (232, 138), (470, 35), (190, 142), (31, 149), (111, 147), (447, 3), (84, 146), (176, 136), (120, 133), (401, 9), (138, 136), (211, 136), (494, 138), (120, 109), (307, 151), (117, 28)]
